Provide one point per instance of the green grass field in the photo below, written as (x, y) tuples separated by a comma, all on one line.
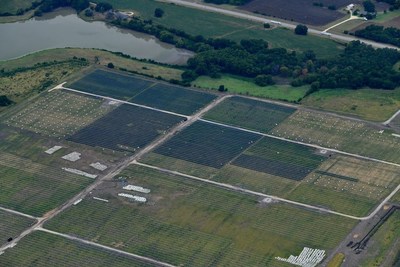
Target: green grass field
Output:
[(339, 133), (211, 24), (369, 104), (94, 56), (34, 188), (185, 222), (250, 114), (57, 113), (44, 249), (242, 86), (33, 181), (12, 225), (12, 6)]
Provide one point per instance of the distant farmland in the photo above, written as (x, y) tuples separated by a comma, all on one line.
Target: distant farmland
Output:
[(302, 11)]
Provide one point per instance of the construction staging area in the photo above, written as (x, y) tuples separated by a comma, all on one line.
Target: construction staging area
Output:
[(129, 180)]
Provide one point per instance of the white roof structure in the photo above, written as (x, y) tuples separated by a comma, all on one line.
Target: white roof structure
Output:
[(135, 198), (137, 189), (53, 149)]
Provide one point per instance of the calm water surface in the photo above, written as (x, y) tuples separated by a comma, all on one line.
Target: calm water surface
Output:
[(65, 29)]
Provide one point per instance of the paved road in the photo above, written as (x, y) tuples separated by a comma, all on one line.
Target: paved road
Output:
[(83, 241), (238, 14)]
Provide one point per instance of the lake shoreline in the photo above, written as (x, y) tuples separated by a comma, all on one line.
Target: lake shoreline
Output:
[(69, 29)]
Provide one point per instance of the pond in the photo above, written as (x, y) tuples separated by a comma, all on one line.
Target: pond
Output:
[(65, 29)]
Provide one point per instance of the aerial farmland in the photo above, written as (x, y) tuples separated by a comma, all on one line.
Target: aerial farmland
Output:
[(122, 170)]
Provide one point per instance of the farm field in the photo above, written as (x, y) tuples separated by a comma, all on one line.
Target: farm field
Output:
[(369, 104), (210, 24), (126, 128), (280, 158), (206, 144), (339, 133), (189, 223), (302, 11), (249, 114), (279, 168), (57, 113), (238, 85), (111, 84), (173, 98), (35, 188), (142, 91), (44, 249), (12, 225), (33, 181)]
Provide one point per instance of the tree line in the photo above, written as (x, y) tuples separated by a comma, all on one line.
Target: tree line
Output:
[(358, 66), (381, 34)]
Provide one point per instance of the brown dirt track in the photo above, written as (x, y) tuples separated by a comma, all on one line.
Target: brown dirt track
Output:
[(301, 11)]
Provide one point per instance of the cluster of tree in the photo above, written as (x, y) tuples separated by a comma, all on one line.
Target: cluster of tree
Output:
[(369, 6), (301, 29), (5, 101), (389, 35), (158, 13), (230, 2), (395, 4), (103, 7), (21, 11), (50, 5), (358, 66)]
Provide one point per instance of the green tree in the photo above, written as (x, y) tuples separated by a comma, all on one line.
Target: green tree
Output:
[(158, 12), (301, 29), (369, 6), (5, 101), (263, 80)]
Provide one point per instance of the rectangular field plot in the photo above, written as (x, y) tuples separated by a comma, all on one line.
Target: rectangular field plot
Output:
[(35, 188), (45, 249), (12, 225), (348, 185), (280, 158), (208, 144), (126, 128), (111, 84), (173, 98), (188, 223), (57, 113), (251, 114), (343, 134)]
